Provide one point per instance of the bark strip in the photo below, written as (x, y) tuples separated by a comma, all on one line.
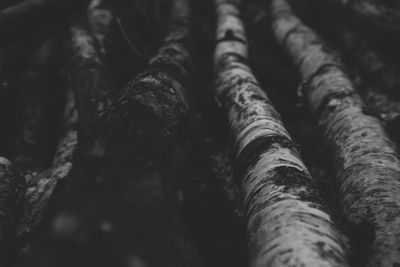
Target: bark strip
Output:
[(368, 167), (288, 224)]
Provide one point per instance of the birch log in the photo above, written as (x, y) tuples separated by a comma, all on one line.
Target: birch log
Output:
[(368, 167), (288, 224)]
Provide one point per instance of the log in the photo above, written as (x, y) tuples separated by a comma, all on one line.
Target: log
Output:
[(288, 224), (366, 161)]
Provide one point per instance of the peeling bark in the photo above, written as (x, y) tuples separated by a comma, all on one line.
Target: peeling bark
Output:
[(288, 224), (368, 167)]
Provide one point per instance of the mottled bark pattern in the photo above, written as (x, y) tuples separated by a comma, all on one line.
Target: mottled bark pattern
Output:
[(287, 223), (368, 168)]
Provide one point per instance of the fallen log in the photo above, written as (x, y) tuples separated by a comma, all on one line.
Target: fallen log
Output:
[(288, 224), (367, 164)]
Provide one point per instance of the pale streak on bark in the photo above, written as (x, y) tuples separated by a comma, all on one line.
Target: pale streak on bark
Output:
[(288, 225), (41, 189), (368, 167)]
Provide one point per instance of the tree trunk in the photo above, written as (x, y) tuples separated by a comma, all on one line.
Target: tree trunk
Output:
[(288, 224), (367, 165)]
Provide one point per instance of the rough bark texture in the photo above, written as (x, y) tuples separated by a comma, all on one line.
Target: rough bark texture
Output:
[(287, 223), (368, 168)]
